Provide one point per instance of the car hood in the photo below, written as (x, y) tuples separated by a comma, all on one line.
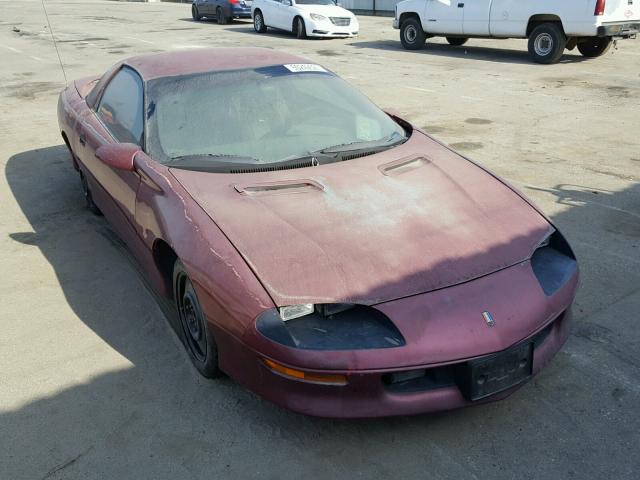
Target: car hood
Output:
[(326, 10), (412, 219)]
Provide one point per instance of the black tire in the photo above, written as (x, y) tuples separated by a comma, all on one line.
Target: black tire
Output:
[(457, 41), (197, 337), (299, 28), (595, 46), (221, 16), (412, 36), (547, 43), (258, 22), (88, 198), (195, 14)]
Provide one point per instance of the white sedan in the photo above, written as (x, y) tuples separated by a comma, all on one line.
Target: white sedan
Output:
[(305, 18)]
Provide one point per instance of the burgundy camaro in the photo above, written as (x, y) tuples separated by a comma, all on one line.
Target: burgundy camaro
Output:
[(329, 256)]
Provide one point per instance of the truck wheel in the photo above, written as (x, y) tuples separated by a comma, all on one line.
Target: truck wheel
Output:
[(411, 34), (547, 43), (457, 41), (594, 46)]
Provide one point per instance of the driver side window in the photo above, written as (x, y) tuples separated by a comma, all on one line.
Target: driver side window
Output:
[(121, 107)]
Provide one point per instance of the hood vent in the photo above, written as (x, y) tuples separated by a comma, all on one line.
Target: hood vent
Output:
[(284, 186), (274, 168)]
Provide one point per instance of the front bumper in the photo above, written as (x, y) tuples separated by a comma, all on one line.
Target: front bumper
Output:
[(330, 34), (442, 329), (619, 29), (329, 30), (368, 395)]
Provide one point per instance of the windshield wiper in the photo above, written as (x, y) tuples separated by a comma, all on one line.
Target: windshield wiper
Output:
[(240, 164), (390, 141), (207, 158)]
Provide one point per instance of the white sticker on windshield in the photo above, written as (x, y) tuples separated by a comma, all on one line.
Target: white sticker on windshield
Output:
[(304, 67)]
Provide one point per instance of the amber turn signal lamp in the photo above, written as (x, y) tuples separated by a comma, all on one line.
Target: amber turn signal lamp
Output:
[(320, 378)]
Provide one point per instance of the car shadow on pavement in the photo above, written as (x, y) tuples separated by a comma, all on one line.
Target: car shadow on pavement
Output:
[(154, 417), (468, 52), (212, 19)]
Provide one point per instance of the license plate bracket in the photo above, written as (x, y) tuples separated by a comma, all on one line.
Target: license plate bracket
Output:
[(489, 375)]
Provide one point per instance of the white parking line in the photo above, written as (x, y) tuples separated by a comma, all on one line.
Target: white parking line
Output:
[(419, 89), (12, 49), (187, 46), (139, 40), (37, 59)]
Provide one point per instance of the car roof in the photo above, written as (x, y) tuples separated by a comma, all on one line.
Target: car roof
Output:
[(200, 60)]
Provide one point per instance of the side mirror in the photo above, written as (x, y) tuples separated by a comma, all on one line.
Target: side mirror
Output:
[(287, 3), (118, 155)]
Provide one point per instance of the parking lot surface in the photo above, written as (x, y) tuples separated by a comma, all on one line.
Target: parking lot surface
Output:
[(93, 381)]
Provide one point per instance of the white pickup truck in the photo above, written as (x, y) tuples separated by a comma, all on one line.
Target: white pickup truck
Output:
[(550, 25)]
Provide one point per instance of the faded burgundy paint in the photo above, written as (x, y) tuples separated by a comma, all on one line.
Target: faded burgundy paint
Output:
[(397, 230), (185, 62), (367, 237), (365, 396)]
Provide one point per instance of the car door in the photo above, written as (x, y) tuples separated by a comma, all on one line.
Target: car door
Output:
[(201, 5), (210, 7), (117, 117), (271, 12), (476, 14), (286, 13), (444, 16)]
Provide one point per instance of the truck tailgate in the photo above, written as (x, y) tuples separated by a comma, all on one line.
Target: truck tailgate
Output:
[(621, 11)]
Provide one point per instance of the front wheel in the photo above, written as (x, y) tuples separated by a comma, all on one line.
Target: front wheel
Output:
[(258, 22), (195, 14), (547, 43), (198, 339), (457, 41), (412, 36), (595, 46), (300, 28)]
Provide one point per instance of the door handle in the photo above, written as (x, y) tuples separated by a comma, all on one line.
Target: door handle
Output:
[(461, 5), (83, 140)]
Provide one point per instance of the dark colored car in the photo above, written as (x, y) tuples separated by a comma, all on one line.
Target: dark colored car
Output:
[(222, 10), (329, 256)]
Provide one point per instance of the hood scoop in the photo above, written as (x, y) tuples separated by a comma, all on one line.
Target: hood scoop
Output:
[(403, 165), (275, 188)]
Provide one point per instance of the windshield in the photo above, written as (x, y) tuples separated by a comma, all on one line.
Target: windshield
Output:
[(315, 2), (250, 119)]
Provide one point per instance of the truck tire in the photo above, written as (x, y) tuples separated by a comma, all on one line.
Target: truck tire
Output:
[(412, 36), (457, 41), (547, 43), (594, 47)]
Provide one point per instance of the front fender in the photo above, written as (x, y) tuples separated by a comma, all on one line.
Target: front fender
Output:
[(230, 293)]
